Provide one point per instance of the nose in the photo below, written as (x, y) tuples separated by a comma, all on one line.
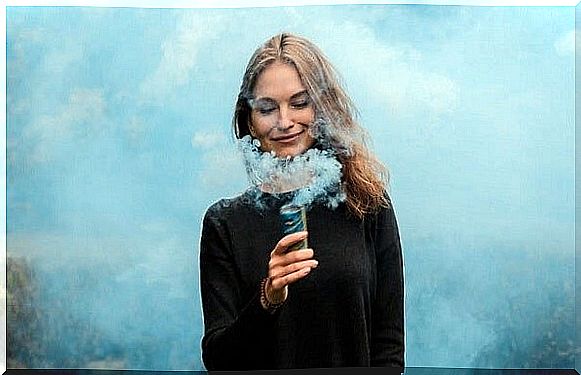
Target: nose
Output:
[(285, 119)]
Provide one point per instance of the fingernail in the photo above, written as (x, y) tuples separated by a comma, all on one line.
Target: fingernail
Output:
[(307, 270), (316, 264)]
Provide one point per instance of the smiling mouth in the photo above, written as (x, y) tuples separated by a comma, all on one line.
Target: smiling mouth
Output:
[(287, 138)]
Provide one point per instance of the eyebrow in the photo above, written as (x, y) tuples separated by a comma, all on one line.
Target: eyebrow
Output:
[(299, 94), (269, 99)]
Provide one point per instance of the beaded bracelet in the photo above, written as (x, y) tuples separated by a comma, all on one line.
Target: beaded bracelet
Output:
[(268, 306)]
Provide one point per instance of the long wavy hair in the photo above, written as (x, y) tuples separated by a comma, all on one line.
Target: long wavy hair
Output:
[(365, 179)]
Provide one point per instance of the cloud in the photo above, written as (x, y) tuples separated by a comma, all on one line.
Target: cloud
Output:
[(136, 130), (224, 170), (565, 45), (392, 75), (205, 139), (60, 60), (180, 53), (222, 163), (19, 39), (78, 118)]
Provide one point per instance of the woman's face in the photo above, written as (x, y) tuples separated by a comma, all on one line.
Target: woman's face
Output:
[(281, 111)]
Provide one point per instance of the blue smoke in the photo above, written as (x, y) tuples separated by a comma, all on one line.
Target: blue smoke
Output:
[(316, 173)]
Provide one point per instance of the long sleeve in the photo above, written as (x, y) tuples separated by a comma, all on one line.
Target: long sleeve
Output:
[(387, 341), (236, 331)]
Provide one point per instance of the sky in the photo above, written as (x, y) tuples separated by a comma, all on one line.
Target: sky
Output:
[(118, 138)]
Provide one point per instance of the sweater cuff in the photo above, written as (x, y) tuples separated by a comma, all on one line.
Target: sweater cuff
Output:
[(255, 308)]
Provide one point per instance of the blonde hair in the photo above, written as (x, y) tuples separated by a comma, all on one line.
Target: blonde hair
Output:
[(365, 178)]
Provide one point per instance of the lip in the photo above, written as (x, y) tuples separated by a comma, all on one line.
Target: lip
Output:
[(287, 138)]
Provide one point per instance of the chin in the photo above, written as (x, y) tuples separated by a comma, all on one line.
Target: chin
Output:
[(291, 151)]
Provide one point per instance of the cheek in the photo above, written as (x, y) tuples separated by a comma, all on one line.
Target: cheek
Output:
[(309, 141), (256, 127), (309, 116)]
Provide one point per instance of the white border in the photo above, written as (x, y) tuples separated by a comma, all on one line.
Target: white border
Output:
[(273, 3)]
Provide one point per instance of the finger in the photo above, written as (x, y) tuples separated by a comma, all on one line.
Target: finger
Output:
[(288, 240), (281, 282), (278, 260), (293, 267)]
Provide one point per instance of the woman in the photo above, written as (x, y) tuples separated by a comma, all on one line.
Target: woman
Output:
[(337, 303)]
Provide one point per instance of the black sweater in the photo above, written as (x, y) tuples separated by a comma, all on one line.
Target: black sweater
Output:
[(348, 312)]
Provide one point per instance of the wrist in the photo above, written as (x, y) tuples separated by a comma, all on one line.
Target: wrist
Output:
[(274, 296), (271, 301)]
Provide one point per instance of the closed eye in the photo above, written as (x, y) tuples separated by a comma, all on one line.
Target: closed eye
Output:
[(301, 104), (300, 100), (265, 110), (264, 106)]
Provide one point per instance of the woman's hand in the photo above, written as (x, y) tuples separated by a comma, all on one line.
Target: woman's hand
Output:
[(285, 267)]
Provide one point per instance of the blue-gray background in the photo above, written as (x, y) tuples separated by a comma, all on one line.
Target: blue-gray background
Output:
[(118, 139), (578, 186)]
